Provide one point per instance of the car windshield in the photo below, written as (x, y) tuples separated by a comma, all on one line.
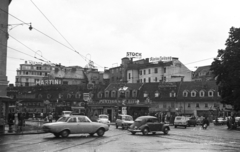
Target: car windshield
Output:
[(63, 119), (103, 116), (128, 118)]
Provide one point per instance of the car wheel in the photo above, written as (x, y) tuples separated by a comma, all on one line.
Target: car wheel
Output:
[(100, 132), (145, 131), (133, 133), (165, 131), (122, 127), (91, 134), (56, 135), (175, 126), (116, 126), (65, 133)]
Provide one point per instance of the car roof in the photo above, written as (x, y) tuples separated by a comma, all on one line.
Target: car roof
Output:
[(146, 117)]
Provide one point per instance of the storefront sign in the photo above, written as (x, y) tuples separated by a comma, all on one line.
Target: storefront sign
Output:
[(161, 58), (134, 55), (48, 81), (131, 101)]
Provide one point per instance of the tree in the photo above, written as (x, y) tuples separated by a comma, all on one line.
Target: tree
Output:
[(226, 68)]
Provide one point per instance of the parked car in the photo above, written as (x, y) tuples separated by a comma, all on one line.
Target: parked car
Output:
[(237, 121), (124, 121), (148, 124), (181, 121), (103, 119), (192, 121), (75, 124), (220, 121)]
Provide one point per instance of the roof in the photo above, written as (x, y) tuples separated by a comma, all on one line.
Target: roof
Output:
[(130, 86), (145, 117)]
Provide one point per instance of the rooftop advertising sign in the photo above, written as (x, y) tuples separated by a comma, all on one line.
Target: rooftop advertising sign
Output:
[(161, 58), (134, 55)]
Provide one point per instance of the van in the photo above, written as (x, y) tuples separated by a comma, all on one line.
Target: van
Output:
[(181, 121)]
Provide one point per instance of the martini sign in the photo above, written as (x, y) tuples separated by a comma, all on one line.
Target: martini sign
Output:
[(161, 58)]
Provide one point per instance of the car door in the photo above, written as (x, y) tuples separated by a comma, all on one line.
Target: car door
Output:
[(152, 124), (73, 125), (84, 125)]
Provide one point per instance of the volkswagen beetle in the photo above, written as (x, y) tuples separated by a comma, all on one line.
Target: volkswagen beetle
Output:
[(148, 124)]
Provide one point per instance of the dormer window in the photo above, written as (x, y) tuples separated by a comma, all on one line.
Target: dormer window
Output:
[(78, 95), (219, 95), (193, 94), (185, 93), (210, 93), (60, 96), (113, 94), (172, 94), (106, 94), (100, 95), (127, 94), (201, 93), (134, 93)]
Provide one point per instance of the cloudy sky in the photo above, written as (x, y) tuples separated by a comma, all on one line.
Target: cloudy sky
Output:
[(104, 30)]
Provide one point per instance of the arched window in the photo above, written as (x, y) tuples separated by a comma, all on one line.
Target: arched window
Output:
[(172, 94), (202, 93), (210, 93), (193, 93), (185, 93), (106, 94), (113, 94)]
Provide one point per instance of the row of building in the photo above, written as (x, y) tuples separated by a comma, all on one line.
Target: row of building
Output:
[(135, 87)]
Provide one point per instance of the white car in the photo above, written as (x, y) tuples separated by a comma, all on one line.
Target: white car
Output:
[(75, 124), (125, 121), (181, 121), (103, 119)]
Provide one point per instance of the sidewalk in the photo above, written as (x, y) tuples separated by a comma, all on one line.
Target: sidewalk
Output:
[(31, 127)]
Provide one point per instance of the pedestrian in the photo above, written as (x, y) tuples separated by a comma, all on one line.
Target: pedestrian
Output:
[(16, 120), (20, 121), (50, 117), (10, 121)]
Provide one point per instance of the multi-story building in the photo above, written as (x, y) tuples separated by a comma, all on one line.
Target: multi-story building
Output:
[(143, 71), (32, 73), (203, 73)]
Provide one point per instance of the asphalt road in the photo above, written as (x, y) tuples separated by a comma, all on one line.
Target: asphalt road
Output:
[(194, 139)]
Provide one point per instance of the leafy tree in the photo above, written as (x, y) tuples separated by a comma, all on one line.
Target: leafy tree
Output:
[(226, 68)]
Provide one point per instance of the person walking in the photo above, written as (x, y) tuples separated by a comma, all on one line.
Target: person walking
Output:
[(16, 121), (50, 117)]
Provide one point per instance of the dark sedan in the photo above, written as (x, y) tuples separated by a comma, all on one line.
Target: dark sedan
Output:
[(192, 122)]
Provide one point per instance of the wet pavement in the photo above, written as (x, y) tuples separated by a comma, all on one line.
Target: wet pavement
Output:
[(194, 139)]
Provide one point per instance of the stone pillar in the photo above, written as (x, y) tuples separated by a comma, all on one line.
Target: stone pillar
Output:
[(3, 47)]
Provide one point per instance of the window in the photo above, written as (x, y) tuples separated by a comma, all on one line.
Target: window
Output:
[(144, 72), (219, 94), (149, 71), (189, 105), (156, 70), (106, 94), (185, 93), (144, 80), (157, 94), (140, 72), (127, 94), (100, 95), (206, 105), (149, 79), (193, 94), (197, 105), (78, 95), (113, 94), (69, 95), (156, 79), (172, 94), (73, 120), (201, 93), (145, 94), (210, 93), (164, 105), (134, 93), (164, 70), (129, 75)]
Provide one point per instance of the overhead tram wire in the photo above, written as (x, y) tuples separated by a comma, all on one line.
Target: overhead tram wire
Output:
[(50, 37)]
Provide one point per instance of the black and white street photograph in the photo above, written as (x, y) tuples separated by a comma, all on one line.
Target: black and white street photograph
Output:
[(119, 76)]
